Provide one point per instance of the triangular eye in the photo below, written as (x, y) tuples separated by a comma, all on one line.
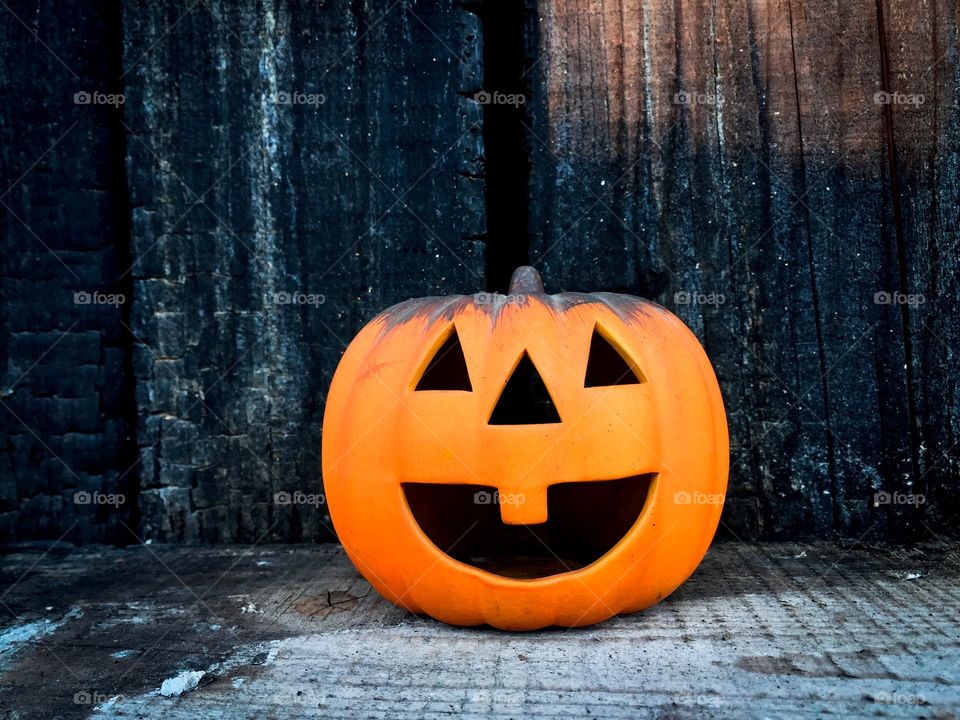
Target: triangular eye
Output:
[(448, 368), (606, 366), (525, 399)]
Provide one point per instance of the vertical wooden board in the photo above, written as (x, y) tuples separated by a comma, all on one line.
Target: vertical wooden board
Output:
[(737, 129), (767, 330), (65, 406), (688, 197), (852, 258), (924, 76), (573, 139), (691, 153), (294, 168)]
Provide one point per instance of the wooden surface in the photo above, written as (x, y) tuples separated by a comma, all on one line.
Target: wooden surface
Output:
[(361, 192), (769, 630), (66, 393), (732, 153), (736, 151), (202, 199)]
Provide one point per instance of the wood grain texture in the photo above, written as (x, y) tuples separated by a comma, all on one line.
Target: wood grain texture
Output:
[(783, 174), (283, 151), (730, 160), (921, 47)]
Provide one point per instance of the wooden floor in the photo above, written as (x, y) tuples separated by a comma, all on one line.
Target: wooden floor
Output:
[(765, 631)]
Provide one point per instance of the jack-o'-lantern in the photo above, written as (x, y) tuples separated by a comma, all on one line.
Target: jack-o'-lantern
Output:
[(525, 460)]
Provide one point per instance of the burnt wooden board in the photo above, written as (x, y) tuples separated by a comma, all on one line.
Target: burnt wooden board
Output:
[(732, 161), (294, 169), (760, 630), (66, 399), (924, 127)]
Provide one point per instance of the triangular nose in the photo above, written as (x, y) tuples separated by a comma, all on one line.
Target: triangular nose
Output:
[(525, 399)]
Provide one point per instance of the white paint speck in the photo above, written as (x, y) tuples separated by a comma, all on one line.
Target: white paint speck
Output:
[(186, 681)]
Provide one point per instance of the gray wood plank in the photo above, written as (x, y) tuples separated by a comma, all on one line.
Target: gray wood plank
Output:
[(768, 630)]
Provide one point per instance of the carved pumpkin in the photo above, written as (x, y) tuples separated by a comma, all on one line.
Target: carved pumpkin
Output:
[(525, 460)]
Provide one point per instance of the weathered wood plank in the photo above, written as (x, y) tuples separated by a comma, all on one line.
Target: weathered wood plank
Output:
[(65, 391), (863, 387), (778, 630), (921, 47), (728, 160), (283, 150)]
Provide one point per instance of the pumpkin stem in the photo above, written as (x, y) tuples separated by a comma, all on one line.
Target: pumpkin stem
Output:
[(524, 281)]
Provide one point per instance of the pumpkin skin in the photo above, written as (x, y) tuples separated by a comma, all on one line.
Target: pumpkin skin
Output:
[(380, 432)]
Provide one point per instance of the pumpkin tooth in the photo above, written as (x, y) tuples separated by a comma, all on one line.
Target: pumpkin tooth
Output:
[(523, 505)]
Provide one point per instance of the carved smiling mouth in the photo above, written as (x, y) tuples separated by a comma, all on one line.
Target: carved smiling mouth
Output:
[(585, 520)]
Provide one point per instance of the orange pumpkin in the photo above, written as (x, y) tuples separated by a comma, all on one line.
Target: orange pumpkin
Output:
[(525, 460)]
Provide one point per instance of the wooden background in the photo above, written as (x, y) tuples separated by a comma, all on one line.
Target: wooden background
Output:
[(728, 159)]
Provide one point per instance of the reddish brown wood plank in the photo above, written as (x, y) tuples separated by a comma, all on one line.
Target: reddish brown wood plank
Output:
[(735, 152)]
